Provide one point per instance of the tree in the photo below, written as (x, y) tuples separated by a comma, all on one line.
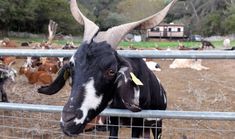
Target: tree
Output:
[(211, 24), (201, 16), (17, 14), (137, 9), (33, 16), (229, 22), (57, 10)]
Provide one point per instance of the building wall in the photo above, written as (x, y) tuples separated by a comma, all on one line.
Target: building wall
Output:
[(167, 31)]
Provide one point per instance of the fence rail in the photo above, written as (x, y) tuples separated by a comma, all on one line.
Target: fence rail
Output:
[(22, 121), (207, 54), (190, 54), (190, 115)]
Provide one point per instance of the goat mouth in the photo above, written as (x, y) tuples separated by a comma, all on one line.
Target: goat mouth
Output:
[(70, 127), (72, 130), (131, 106)]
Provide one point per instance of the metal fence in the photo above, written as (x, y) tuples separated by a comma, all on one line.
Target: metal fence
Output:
[(20, 121), (205, 54), (42, 121)]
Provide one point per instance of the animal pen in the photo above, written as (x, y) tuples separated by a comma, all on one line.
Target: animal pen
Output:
[(36, 120)]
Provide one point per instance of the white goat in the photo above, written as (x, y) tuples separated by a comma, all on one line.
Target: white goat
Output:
[(226, 43), (195, 64), (153, 66)]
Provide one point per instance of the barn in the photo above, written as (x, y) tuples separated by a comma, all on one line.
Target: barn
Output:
[(167, 31)]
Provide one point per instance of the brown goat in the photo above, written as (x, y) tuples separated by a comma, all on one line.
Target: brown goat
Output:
[(8, 60), (36, 76), (9, 43), (50, 65)]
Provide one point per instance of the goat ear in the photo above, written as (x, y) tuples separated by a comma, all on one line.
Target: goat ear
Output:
[(58, 83), (128, 86)]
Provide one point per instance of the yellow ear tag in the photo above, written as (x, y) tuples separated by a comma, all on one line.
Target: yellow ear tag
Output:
[(135, 79)]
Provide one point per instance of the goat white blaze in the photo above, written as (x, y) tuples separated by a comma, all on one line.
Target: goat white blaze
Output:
[(91, 101)]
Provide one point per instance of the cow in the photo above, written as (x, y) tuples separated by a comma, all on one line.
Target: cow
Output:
[(100, 76)]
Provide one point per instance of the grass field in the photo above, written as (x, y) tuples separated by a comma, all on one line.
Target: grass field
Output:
[(146, 44), (170, 44)]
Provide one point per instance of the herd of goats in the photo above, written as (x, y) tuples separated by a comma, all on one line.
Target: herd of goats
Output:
[(123, 73)]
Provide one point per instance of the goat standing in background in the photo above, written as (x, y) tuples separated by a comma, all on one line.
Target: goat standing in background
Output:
[(207, 45), (6, 74), (226, 43), (101, 76)]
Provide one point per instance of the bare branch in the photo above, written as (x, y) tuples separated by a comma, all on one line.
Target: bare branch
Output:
[(52, 27)]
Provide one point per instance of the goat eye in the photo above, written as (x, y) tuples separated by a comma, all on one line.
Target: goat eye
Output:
[(111, 72)]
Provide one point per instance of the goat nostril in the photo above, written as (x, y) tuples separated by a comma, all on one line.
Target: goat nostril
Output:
[(79, 113), (68, 116)]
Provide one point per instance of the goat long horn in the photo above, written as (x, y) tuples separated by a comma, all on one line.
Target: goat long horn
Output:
[(115, 34), (90, 27)]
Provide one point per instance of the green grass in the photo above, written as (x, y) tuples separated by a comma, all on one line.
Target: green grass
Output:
[(60, 42), (170, 44), (158, 44), (147, 44)]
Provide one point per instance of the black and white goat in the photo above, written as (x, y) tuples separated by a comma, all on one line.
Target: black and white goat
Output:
[(100, 76), (6, 74)]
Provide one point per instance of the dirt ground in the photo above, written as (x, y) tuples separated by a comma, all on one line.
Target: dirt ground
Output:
[(187, 90)]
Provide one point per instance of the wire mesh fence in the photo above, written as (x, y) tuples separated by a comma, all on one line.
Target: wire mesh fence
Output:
[(24, 121), (203, 92), (37, 125)]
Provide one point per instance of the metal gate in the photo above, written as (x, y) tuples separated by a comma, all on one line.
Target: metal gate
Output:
[(20, 120)]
